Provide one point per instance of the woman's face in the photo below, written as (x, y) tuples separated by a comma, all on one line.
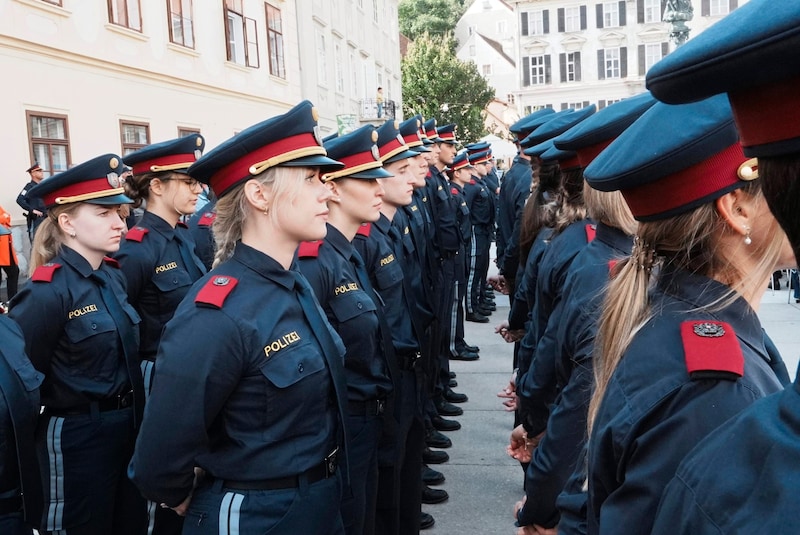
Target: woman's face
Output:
[(399, 187), (302, 214), (765, 230), (180, 193), (97, 228), (360, 199)]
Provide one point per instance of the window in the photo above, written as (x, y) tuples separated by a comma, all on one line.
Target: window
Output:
[(134, 136), (570, 65), (486, 69), (535, 22), (277, 65), (125, 13), (185, 131), (652, 10), (338, 66), (181, 27), (471, 50), (611, 14), (510, 98), (718, 7), (575, 105), (322, 72), (535, 70), (48, 137), (502, 27), (241, 34), (472, 29), (650, 54), (604, 103), (353, 73), (375, 11), (612, 63), (574, 19)]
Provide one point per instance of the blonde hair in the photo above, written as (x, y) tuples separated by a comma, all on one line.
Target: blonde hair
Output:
[(687, 241), (609, 208), (49, 237), (572, 206), (233, 208)]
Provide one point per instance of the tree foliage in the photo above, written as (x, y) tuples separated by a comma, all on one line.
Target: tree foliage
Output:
[(438, 84), (434, 17)]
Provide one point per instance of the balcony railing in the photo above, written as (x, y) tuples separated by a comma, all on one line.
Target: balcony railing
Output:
[(369, 110)]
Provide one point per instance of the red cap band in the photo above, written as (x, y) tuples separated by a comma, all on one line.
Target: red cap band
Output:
[(768, 113), (587, 154), (81, 188)]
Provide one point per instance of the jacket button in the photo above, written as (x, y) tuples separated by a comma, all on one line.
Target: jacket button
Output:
[(360, 306), (300, 367), (94, 326)]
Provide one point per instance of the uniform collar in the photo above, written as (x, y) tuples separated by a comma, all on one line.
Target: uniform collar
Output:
[(157, 224), (77, 262), (614, 238), (264, 265), (337, 240), (383, 224)]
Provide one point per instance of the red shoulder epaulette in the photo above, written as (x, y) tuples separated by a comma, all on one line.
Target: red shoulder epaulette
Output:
[(136, 234), (364, 229), (712, 350), (215, 291), (472, 181), (113, 262), (430, 174), (591, 230), (309, 249), (454, 191), (45, 272), (612, 268), (182, 224), (207, 220)]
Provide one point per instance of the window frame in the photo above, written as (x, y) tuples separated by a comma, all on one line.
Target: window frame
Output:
[(322, 53), (611, 18), (47, 166), (277, 54), (575, 11), (184, 131), (183, 20), (719, 8), (112, 3), (541, 69), (229, 7), (127, 148), (608, 64), (650, 9)]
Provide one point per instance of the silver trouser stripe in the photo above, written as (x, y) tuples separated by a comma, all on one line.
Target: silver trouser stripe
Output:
[(147, 374), (229, 511), (453, 313), (55, 506), (151, 516), (473, 261)]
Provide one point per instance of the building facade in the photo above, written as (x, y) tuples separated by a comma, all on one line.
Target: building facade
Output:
[(86, 77), (573, 53)]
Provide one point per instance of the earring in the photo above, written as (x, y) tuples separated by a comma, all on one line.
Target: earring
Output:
[(72, 234), (266, 211), (747, 240)]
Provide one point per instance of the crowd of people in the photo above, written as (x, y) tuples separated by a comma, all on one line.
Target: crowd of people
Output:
[(281, 364)]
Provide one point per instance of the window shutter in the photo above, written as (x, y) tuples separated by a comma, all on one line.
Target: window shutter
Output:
[(583, 17), (601, 104), (526, 71), (705, 8), (599, 11), (577, 66), (546, 21), (563, 106), (663, 7), (623, 61), (733, 4), (623, 12), (524, 22), (640, 11), (547, 70), (561, 20), (601, 64), (585, 103), (664, 49), (562, 66), (642, 60)]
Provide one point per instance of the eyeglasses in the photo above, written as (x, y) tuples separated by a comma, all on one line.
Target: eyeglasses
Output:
[(191, 182)]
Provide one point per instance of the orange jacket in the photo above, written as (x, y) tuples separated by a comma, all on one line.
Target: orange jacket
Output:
[(7, 252)]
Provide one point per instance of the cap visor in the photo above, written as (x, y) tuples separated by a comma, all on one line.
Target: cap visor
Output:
[(111, 200), (421, 148), (370, 174), (323, 162), (402, 156)]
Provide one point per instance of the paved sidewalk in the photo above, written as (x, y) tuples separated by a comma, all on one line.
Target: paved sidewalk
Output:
[(483, 482)]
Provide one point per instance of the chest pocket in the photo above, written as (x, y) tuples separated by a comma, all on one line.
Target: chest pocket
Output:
[(408, 243), (441, 194), (291, 365), (84, 327), (172, 279), (351, 304), (389, 275), (464, 209)]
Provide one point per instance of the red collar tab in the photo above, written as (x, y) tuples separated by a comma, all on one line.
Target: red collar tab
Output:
[(45, 272), (591, 232), (207, 219), (309, 249), (364, 229), (712, 350), (136, 234), (215, 291), (113, 262)]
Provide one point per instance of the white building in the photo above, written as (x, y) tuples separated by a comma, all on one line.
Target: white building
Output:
[(573, 53), (88, 77)]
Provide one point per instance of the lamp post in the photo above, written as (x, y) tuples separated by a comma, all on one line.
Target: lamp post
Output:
[(677, 13)]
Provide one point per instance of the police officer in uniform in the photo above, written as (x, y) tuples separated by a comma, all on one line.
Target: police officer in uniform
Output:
[(158, 257), (35, 211), (340, 281), (480, 201), (680, 361), (20, 485), (249, 356), (200, 227), (755, 491), (82, 334)]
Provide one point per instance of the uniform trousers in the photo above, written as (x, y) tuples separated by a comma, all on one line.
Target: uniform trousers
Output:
[(84, 460), (13, 524), (360, 501)]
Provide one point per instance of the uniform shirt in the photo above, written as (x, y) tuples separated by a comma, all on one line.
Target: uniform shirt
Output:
[(19, 407), (200, 228), (480, 202), (514, 191), (557, 455), (386, 274), (525, 292), (249, 380), (414, 272), (157, 276), (352, 313), (70, 334), (743, 477), (29, 205), (463, 221), (654, 412), (444, 212)]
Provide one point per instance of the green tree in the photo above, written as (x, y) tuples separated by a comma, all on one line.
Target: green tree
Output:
[(438, 84), (435, 17)]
